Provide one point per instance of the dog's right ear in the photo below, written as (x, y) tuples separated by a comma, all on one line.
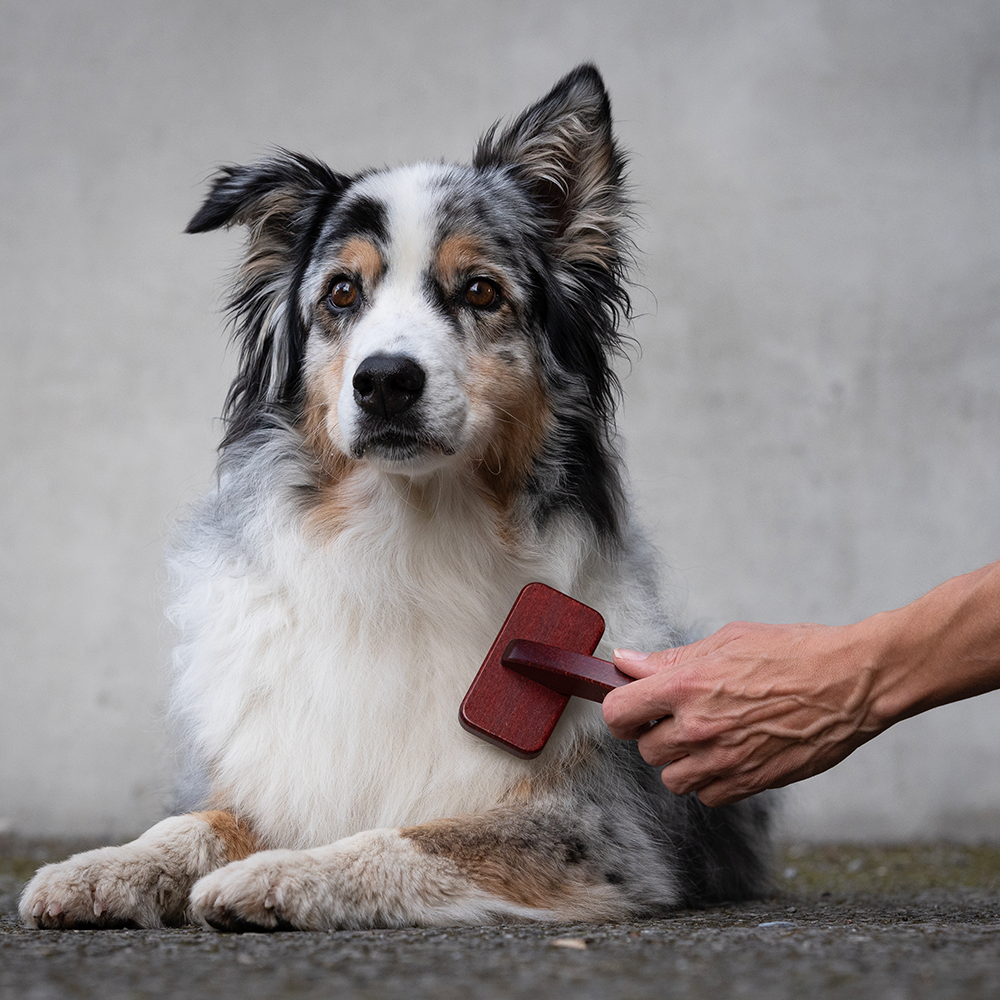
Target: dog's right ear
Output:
[(282, 202)]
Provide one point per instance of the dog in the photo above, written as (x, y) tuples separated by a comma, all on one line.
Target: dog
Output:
[(422, 423)]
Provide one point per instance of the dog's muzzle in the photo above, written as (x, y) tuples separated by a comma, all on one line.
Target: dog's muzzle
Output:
[(386, 389)]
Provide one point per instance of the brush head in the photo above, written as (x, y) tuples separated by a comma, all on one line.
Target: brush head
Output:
[(514, 712)]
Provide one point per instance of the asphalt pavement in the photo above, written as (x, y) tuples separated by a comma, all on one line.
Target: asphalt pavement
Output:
[(842, 922)]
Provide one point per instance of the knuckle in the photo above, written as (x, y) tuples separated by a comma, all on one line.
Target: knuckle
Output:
[(714, 797), (675, 783), (669, 657), (656, 753), (695, 731), (650, 754), (732, 629), (612, 712)]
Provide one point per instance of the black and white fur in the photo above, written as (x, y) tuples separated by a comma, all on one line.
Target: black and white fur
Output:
[(422, 423)]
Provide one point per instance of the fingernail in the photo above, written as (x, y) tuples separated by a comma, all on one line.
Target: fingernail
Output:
[(630, 654)]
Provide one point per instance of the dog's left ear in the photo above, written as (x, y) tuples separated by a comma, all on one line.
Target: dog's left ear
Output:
[(270, 194), (563, 151)]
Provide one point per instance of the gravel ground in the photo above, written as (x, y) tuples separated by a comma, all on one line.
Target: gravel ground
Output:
[(843, 922)]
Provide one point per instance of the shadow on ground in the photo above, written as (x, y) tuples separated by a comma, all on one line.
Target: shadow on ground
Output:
[(843, 922)]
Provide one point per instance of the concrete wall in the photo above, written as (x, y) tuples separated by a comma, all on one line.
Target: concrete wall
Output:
[(814, 422)]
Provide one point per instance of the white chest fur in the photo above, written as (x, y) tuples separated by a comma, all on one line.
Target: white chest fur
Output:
[(320, 683)]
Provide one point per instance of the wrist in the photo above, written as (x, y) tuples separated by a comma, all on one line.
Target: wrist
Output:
[(942, 647), (889, 651)]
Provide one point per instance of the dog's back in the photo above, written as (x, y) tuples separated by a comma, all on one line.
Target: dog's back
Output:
[(422, 423)]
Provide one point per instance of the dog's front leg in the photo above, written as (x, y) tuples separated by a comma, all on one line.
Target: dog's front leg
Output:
[(145, 883), (502, 865)]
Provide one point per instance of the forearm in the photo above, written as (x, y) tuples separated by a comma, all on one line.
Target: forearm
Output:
[(943, 647)]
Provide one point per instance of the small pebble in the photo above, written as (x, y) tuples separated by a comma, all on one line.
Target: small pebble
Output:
[(569, 943), (777, 923)]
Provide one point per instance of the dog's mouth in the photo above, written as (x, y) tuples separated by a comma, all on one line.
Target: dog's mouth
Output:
[(398, 445)]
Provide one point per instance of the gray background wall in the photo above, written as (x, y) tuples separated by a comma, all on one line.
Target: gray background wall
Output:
[(813, 424)]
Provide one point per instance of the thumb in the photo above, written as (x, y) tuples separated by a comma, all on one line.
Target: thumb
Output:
[(637, 664), (634, 663)]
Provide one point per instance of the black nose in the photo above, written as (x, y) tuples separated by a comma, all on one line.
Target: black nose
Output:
[(386, 385)]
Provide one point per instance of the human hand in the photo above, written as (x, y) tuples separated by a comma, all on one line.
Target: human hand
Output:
[(750, 707)]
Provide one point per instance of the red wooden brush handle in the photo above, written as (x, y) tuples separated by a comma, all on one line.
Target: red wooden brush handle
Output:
[(563, 671)]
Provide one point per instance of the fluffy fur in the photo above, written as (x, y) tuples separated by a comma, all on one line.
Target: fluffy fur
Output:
[(422, 423)]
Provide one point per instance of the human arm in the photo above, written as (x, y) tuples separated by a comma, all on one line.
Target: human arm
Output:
[(759, 706)]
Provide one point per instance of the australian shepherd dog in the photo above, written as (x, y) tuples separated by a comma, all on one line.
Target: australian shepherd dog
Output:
[(421, 424)]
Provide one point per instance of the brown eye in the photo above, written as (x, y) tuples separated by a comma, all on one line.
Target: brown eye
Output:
[(482, 294), (343, 294)]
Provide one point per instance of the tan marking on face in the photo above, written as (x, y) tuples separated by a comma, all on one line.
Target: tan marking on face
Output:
[(520, 416), (330, 507), (457, 256), (361, 257), (323, 385), (497, 853), (238, 840)]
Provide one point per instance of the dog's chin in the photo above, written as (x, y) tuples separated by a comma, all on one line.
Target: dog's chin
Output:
[(404, 453)]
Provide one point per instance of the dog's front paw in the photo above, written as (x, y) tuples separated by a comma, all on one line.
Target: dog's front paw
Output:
[(271, 891), (112, 887), (141, 884)]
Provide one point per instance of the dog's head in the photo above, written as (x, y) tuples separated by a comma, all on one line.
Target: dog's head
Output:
[(413, 318)]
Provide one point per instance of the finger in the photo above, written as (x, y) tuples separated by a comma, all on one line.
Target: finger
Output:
[(723, 792), (625, 721), (657, 746), (685, 775), (685, 768), (630, 709), (630, 734), (713, 788)]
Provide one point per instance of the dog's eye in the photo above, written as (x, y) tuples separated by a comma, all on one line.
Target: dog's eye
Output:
[(343, 294), (482, 294)]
